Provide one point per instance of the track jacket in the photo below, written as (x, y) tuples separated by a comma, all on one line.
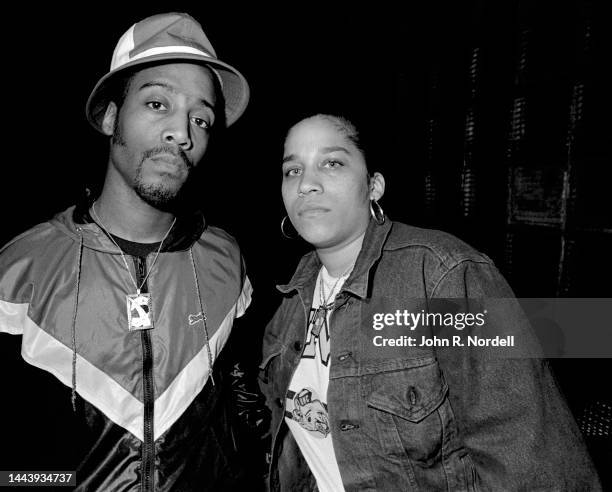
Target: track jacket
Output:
[(150, 418)]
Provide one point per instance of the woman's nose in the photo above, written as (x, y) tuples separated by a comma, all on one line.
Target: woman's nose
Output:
[(309, 182)]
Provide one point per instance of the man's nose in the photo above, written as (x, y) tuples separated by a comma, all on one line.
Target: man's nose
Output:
[(177, 130)]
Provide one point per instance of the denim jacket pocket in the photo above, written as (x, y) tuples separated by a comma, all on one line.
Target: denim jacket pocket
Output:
[(412, 392), (410, 410)]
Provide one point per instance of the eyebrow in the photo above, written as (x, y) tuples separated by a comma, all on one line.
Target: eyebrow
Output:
[(329, 150), (171, 89), (324, 150)]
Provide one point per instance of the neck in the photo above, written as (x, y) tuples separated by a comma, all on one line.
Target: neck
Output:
[(338, 260), (129, 217)]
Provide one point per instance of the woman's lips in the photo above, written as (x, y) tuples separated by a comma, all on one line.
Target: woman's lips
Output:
[(308, 212)]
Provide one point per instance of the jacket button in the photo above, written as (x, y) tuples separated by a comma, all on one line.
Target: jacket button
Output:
[(412, 395), (297, 345), (346, 426), (344, 356), (279, 402)]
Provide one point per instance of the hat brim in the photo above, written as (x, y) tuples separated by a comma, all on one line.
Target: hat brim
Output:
[(234, 86)]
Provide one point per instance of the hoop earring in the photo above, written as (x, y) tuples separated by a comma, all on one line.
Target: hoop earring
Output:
[(376, 212), (282, 227)]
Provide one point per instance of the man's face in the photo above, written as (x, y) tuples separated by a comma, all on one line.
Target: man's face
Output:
[(162, 129)]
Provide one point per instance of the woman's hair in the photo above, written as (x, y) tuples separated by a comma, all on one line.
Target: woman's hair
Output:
[(344, 126)]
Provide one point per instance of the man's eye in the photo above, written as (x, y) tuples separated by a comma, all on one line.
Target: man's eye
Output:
[(201, 123), (156, 105)]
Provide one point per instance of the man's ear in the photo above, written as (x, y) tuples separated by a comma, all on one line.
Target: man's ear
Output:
[(377, 186), (108, 123)]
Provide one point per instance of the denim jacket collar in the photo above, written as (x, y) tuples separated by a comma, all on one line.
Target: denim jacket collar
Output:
[(357, 283)]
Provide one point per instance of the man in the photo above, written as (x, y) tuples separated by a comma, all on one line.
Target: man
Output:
[(129, 299)]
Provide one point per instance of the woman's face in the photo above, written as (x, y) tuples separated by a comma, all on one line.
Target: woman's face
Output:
[(325, 184)]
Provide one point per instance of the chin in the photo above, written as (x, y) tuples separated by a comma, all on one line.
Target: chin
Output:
[(319, 237), (157, 195)]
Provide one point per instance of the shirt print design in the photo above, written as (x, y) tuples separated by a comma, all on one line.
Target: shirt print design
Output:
[(306, 408), (318, 331)]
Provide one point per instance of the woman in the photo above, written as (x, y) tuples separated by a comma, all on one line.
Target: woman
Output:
[(351, 414)]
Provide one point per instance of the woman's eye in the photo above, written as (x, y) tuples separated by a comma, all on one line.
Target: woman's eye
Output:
[(333, 164), (292, 172), (201, 123), (156, 105)]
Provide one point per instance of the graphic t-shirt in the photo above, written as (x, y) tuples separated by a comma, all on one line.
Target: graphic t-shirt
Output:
[(306, 400)]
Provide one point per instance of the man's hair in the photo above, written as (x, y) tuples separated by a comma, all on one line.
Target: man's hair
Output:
[(120, 88)]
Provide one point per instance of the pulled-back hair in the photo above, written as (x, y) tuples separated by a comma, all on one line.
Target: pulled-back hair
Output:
[(344, 126)]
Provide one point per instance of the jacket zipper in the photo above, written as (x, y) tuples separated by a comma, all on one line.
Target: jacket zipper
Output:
[(148, 446)]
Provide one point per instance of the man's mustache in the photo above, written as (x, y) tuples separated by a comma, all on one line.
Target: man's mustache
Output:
[(168, 149)]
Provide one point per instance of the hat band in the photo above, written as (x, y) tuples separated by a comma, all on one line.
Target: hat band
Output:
[(162, 50)]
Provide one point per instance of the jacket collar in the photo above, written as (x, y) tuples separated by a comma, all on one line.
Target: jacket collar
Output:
[(187, 229), (357, 283)]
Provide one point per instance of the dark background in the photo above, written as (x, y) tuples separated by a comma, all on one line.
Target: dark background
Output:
[(490, 120)]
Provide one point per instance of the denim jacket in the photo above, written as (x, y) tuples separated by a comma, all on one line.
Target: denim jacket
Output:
[(420, 418)]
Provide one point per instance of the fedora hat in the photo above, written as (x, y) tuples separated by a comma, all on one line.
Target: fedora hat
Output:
[(159, 39)]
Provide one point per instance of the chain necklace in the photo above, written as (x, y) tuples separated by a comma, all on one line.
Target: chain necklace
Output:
[(322, 296), (139, 305), (320, 316)]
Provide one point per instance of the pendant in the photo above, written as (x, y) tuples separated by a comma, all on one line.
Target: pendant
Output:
[(318, 320), (139, 311)]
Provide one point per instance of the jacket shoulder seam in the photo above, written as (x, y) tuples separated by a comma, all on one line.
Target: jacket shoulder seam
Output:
[(476, 258), (454, 267)]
